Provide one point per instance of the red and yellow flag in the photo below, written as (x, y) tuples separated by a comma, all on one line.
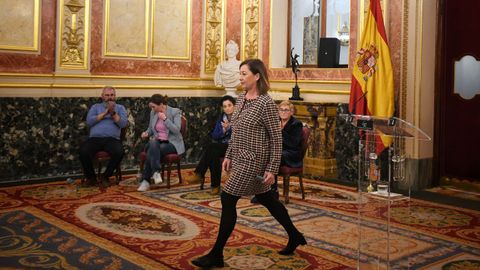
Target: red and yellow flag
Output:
[(372, 90)]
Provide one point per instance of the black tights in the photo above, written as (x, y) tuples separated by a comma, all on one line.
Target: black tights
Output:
[(229, 218)]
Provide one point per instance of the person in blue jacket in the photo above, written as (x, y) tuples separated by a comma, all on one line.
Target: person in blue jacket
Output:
[(215, 150)]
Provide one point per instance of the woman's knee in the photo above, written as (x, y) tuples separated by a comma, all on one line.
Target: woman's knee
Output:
[(152, 146), (228, 200), (265, 198)]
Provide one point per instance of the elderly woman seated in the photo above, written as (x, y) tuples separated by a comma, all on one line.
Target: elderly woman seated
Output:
[(292, 155)]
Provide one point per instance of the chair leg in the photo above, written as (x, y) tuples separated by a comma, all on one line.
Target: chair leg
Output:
[(179, 173), (99, 173), (286, 186), (301, 186), (163, 171), (142, 165), (169, 171), (119, 174)]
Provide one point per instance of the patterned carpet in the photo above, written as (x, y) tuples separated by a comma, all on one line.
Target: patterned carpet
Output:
[(456, 192), (63, 226)]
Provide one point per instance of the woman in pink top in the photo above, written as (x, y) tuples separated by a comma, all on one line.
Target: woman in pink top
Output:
[(165, 138)]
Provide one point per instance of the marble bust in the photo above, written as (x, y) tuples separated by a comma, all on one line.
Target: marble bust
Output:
[(227, 73)]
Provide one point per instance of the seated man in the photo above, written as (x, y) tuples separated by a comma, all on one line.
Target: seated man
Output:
[(215, 150), (105, 119), (291, 140)]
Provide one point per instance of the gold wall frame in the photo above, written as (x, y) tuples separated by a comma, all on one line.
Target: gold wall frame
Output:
[(251, 21), (115, 29), (171, 33), (214, 34), (30, 23), (73, 34)]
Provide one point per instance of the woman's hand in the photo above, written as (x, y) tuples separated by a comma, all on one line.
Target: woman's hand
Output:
[(144, 135), (162, 116), (226, 165), (269, 178), (225, 125)]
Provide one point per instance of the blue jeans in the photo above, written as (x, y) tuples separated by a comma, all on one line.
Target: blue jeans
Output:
[(155, 151)]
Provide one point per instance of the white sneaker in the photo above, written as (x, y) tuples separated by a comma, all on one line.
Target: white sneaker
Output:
[(157, 178), (144, 186)]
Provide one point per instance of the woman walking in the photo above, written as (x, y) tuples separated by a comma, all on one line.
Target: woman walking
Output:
[(253, 158)]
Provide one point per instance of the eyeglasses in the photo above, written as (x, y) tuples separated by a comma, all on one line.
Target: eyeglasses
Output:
[(284, 110)]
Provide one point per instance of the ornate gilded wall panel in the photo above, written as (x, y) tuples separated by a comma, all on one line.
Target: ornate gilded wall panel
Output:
[(74, 28), (214, 34), (19, 25), (171, 29), (126, 28), (250, 28)]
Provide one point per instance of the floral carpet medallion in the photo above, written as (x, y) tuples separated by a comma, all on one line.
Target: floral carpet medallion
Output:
[(137, 221), (58, 192), (323, 193), (430, 216), (198, 196), (260, 257)]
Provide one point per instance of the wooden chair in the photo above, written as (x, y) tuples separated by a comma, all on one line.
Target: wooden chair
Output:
[(169, 159), (102, 157), (286, 171)]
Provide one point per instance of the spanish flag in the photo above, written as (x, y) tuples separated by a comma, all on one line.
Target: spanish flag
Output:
[(372, 90)]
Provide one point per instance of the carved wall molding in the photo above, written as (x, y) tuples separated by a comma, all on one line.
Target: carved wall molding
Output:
[(73, 34), (250, 28), (214, 34)]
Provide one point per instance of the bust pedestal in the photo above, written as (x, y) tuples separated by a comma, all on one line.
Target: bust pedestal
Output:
[(232, 91)]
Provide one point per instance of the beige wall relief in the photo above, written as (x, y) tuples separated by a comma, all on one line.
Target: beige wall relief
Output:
[(171, 29), (73, 34), (126, 29), (214, 34), (250, 28), (24, 17)]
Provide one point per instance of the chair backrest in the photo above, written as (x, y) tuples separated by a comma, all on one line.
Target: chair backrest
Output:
[(305, 136), (183, 127), (123, 133)]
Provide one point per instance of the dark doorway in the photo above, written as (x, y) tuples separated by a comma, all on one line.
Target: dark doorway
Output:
[(457, 118)]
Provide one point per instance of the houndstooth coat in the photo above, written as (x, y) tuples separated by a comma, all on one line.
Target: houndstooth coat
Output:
[(255, 146)]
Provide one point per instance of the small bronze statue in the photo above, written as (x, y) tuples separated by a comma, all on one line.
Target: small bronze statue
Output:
[(295, 70)]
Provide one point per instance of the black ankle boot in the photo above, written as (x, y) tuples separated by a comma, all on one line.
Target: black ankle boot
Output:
[(292, 244), (207, 262)]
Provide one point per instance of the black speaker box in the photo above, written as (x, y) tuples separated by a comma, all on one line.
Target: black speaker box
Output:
[(328, 52)]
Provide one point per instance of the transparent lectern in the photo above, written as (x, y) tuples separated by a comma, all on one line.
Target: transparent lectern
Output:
[(377, 180)]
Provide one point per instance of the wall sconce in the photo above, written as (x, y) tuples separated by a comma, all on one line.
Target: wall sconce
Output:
[(344, 35)]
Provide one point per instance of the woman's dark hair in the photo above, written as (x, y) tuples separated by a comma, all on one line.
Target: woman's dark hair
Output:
[(256, 66), (229, 98), (158, 99)]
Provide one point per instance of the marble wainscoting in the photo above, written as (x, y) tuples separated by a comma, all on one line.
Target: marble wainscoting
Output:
[(346, 147), (40, 136)]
